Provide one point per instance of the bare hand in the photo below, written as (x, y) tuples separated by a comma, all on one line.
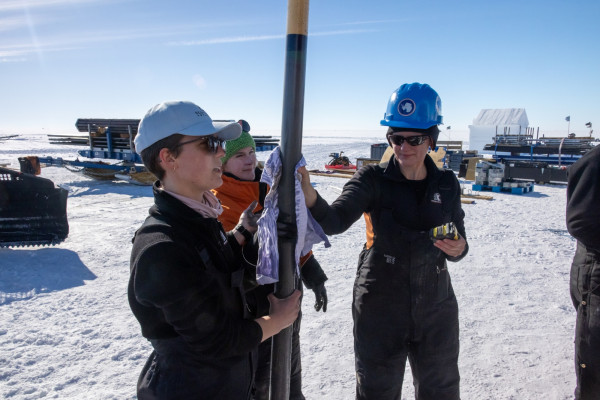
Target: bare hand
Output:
[(285, 311), (282, 314), (310, 194), (453, 248)]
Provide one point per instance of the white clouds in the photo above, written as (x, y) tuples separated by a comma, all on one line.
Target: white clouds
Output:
[(21, 53), (199, 81), (343, 32), (12, 5), (382, 21), (239, 39), (7, 24), (68, 41), (11, 59)]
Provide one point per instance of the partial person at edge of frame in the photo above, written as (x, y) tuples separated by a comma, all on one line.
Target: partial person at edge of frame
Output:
[(583, 214)]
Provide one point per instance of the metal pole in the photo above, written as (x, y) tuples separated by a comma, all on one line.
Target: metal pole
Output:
[(91, 141), (291, 145)]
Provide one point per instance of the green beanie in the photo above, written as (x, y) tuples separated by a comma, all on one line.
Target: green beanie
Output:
[(233, 146)]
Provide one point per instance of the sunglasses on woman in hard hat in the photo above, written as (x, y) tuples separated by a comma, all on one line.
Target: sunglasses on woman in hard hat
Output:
[(412, 140), (212, 143)]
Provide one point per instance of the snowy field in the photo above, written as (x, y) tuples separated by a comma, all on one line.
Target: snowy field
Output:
[(66, 330)]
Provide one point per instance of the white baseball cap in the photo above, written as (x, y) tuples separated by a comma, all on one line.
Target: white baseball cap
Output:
[(183, 117)]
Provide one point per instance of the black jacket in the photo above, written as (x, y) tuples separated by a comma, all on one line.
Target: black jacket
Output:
[(583, 214), (583, 200), (381, 188), (185, 291)]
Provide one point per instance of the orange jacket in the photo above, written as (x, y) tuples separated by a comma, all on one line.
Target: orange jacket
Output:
[(236, 195)]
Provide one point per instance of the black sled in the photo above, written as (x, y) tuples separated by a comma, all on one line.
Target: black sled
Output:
[(33, 211)]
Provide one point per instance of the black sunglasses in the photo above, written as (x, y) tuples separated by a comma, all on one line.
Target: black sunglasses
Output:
[(212, 142), (412, 140)]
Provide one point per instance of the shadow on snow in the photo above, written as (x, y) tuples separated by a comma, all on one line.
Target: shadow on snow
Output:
[(95, 187), (25, 273)]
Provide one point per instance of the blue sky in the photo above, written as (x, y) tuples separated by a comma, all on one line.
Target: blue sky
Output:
[(66, 59)]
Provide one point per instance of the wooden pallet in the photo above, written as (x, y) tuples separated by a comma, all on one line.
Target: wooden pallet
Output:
[(477, 196), (144, 178), (497, 189), (335, 174), (454, 145), (117, 126), (8, 137)]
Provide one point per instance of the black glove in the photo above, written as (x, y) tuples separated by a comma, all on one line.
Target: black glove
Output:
[(314, 278), (320, 297)]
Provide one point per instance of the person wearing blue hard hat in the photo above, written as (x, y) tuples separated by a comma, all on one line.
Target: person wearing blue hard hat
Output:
[(185, 287), (404, 306)]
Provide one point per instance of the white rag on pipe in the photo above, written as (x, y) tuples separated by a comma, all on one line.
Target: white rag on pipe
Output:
[(309, 231)]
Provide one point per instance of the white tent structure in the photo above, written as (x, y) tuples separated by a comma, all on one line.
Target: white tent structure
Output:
[(490, 122)]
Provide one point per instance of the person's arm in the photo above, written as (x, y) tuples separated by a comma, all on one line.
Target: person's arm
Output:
[(583, 199), (355, 199)]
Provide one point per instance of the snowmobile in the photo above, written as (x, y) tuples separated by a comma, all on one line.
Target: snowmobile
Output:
[(33, 211), (339, 162)]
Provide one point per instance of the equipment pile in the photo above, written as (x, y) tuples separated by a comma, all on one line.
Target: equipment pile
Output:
[(33, 211), (491, 176)]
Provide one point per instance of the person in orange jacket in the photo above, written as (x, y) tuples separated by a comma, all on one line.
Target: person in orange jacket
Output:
[(241, 186)]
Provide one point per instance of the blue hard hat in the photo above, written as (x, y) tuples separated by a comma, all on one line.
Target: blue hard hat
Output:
[(413, 105)]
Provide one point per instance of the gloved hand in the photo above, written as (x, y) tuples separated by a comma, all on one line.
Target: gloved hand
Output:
[(248, 219), (314, 278), (320, 297)]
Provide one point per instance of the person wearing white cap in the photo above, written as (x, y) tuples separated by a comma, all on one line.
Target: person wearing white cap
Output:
[(185, 286)]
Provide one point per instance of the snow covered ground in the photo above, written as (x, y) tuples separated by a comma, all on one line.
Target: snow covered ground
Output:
[(66, 331)]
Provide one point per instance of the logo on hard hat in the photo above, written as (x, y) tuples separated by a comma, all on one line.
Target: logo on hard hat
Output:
[(406, 107)]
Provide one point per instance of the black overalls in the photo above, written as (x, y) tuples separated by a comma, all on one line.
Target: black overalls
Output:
[(403, 305)]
